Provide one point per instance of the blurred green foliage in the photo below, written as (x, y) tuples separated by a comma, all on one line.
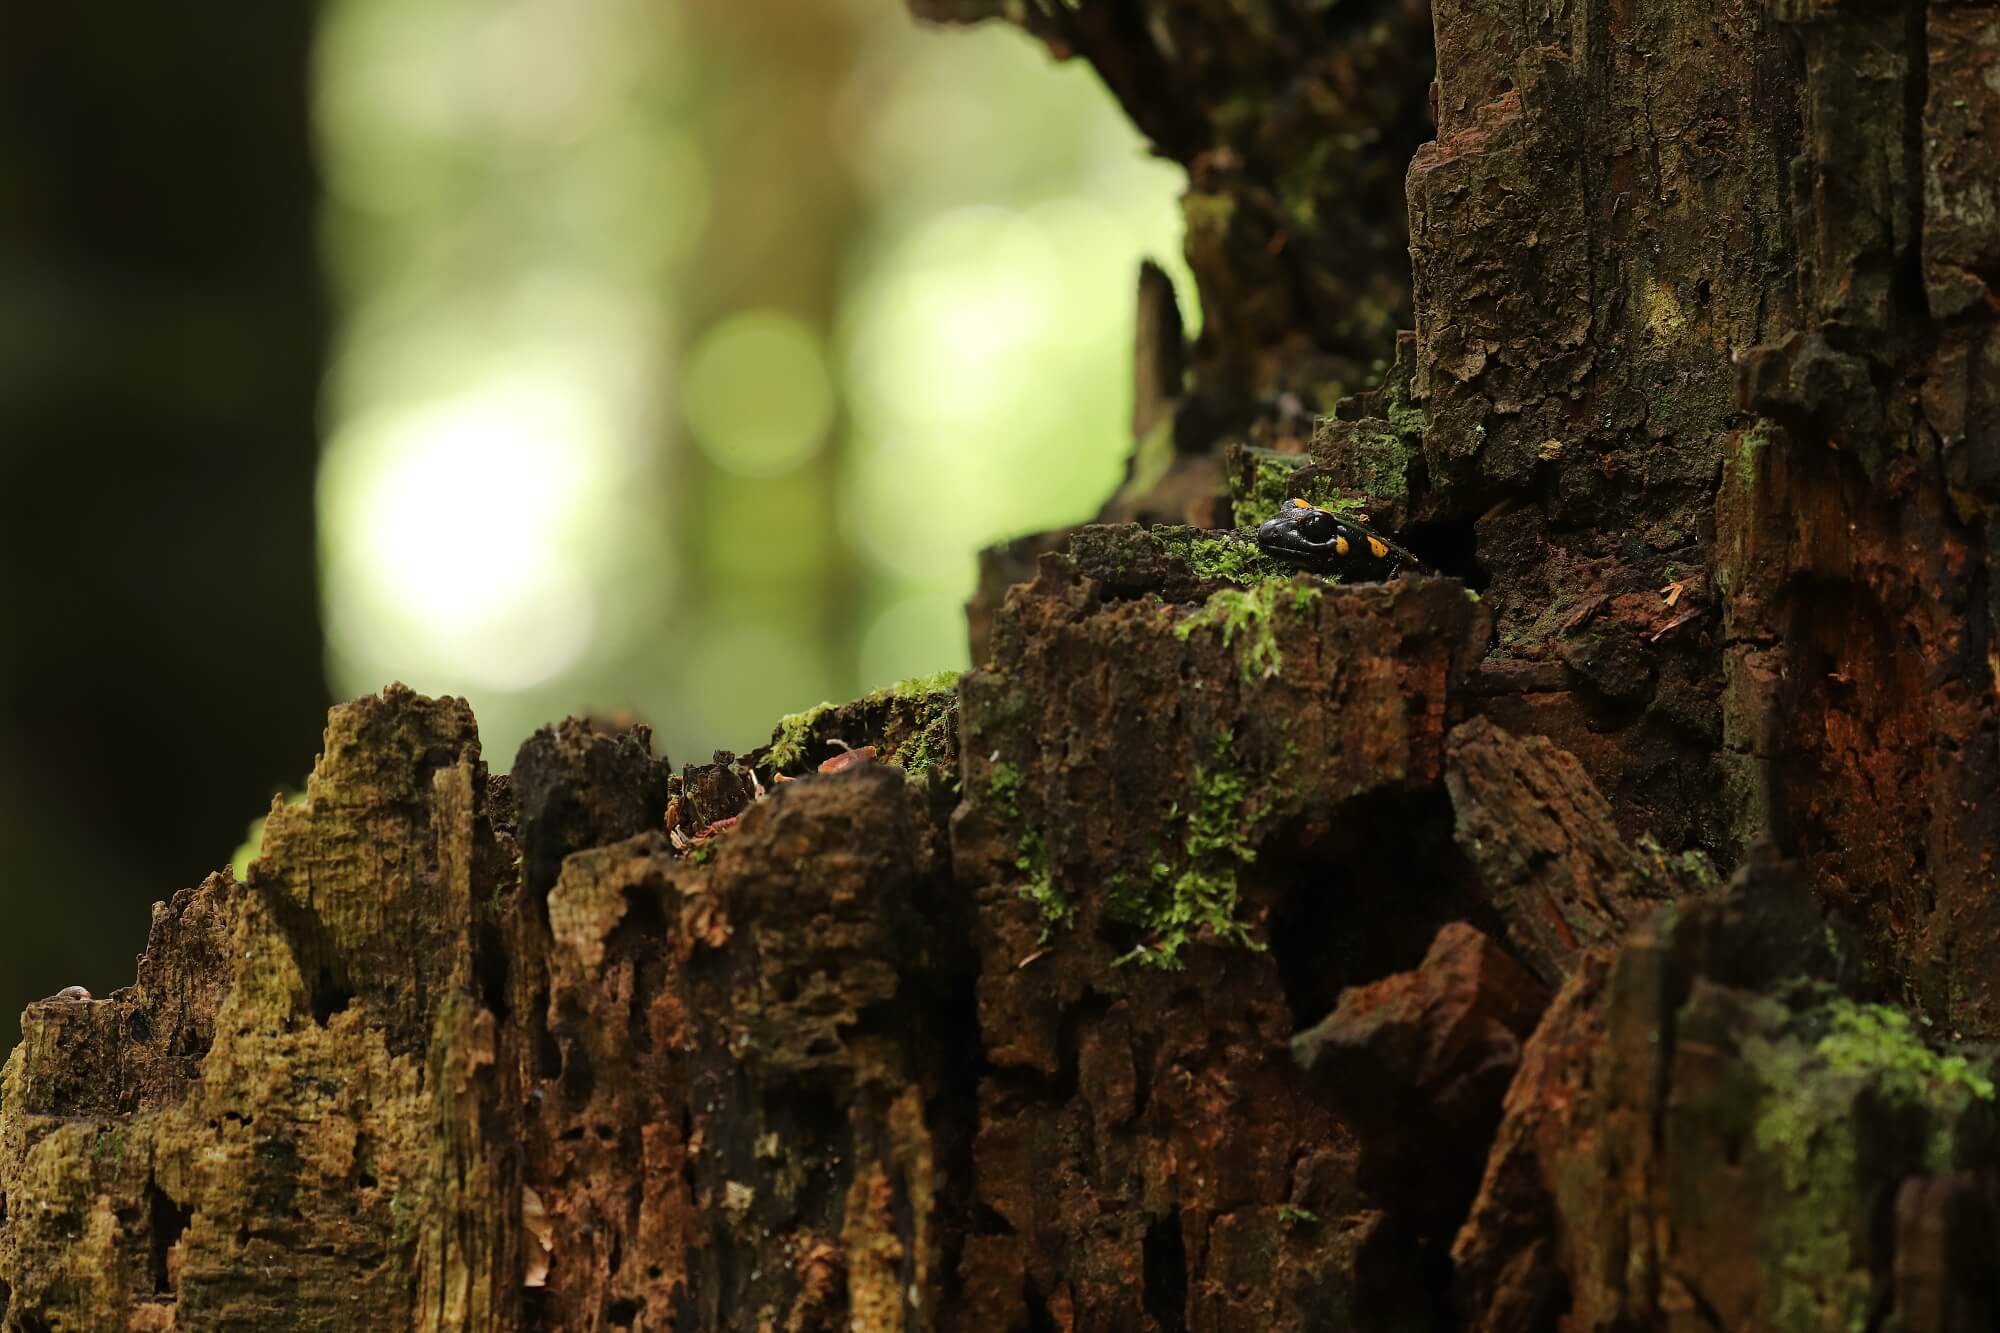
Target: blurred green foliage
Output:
[(688, 353)]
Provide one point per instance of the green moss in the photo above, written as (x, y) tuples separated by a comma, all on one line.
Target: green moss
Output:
[(1698, 869), (1386, 461), (1405, 417), (1239, 562), (1748, 445), (1292, 1215), (1877, 1041), (1228, 558), (934, 696), (1813, 1077), (1201, 897), (1246, 613), (1040, 889), (1810, 1269), (1261, 481), (920, 688), (1005, 783), (1262, 488), (926, 753), (788, 744)]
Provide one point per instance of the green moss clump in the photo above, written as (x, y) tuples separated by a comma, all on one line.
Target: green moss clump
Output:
[(1877, 1041), (1344, 505), (1246, 613), (788, 745), (1271, 483), (1697, 869), (1040, 889), (1268, 485), (935, 698), (1005, 784), (926, 753), (1238, 562), (1293, 1215), (1225, 558), (1261, 487), (1201, 898), (1386, 464), (1748, 445), (919, 688), (1405, 417), (1816, 1270)]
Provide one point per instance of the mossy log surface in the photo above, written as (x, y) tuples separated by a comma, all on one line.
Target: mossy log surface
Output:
[(1229, 950), (1005, 1042)]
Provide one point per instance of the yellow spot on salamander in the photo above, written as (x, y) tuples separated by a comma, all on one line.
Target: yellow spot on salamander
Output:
[(1297, 504), (1378, 548), (1340, 545)]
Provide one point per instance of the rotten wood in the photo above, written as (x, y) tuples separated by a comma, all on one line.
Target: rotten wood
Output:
[(994, 1030)]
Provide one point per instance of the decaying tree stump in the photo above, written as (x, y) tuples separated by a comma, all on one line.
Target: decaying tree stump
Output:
[(1229, 950)]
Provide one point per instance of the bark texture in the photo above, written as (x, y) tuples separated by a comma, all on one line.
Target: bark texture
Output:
[(1229, 950)]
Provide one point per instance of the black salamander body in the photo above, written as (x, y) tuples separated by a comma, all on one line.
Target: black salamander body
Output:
[(1327, 543)]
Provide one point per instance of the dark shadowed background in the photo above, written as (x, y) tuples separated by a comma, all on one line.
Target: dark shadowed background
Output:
[(564, 354)]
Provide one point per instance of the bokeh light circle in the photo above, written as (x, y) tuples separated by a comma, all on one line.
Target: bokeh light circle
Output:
[(756, 393)]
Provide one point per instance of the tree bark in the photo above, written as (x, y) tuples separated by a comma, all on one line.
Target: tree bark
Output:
[(1230, 950)]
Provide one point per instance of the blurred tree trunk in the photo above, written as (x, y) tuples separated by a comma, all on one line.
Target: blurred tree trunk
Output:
[(162, 333), (783, 218), (1228, 951)]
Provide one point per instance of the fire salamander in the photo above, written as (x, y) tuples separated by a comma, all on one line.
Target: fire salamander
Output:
[(1324, 542)]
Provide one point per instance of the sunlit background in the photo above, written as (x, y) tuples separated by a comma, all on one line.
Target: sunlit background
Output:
[(685, 354), (668, 358)]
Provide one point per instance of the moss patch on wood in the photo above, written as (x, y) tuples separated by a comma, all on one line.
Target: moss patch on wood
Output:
[(1815, 1126), (1247, 614), (1228, 557), (788, 743), (912, 722), (1200, 899), (1040, 888)]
